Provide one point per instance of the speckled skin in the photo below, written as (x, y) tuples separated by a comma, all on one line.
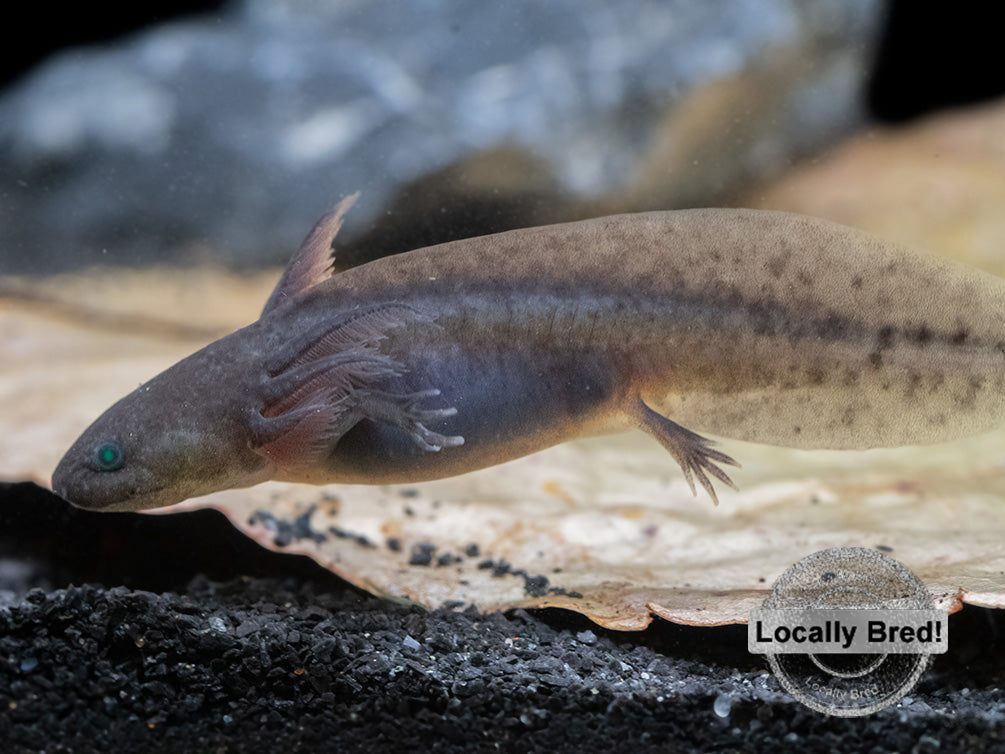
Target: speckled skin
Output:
[(760, 326)]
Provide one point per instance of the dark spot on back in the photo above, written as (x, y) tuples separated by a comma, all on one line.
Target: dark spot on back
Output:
[(856, 282), (923, 335), (831, 327), (969, 397), (776, 265), (959, 338), (885, 337), (876, 359), (765, 318), (913, 381)]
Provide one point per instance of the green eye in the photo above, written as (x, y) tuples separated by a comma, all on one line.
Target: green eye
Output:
[(108, 457)]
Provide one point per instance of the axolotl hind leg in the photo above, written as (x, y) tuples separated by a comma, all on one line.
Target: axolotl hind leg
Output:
[(690, 450)]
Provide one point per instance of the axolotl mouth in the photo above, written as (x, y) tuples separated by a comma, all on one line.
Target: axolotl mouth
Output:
[(81, 497)]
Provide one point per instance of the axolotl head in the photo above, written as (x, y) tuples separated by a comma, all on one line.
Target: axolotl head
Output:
[(186, 432), (176, 436)]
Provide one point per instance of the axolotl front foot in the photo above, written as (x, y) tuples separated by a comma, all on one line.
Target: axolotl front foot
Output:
[(403, 411), (304, 436)]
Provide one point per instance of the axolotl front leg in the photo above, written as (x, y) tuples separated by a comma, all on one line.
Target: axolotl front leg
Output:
[(327, 381)]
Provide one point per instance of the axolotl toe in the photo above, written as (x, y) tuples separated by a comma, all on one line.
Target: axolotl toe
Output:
[(761, 326)]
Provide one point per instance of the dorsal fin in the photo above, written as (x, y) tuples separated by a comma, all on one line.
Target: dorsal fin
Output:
[(311, 263)]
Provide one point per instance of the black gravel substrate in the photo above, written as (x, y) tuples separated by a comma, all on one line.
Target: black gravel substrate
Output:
[(193, 639)]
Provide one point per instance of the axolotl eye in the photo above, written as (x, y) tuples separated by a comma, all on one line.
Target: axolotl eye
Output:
[(108, 456)]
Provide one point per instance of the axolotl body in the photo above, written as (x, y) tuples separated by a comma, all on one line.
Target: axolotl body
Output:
[(755, 325)]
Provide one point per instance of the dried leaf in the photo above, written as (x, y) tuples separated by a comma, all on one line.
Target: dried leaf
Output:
[(606, 526)]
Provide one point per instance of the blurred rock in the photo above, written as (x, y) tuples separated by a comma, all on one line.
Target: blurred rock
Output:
[(938, 184), (236, 132)]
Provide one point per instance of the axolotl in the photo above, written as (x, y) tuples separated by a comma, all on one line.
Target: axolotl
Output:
[(762, 326)]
